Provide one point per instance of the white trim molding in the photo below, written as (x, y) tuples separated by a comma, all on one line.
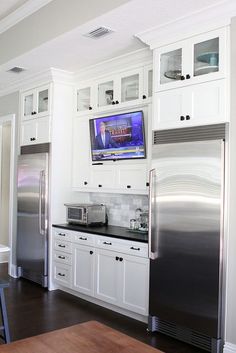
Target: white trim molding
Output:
[(207, 19), (229, 348), (22, 12)]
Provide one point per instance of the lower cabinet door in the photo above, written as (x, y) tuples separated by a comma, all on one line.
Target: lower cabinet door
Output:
[(83, 269), (107, 278), (135, 284)]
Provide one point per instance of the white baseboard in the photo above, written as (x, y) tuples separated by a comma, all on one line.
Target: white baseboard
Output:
[(229, 348)]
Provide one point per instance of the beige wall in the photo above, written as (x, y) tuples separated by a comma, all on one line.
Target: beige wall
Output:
[(10, 105), (52, 20), (231, 268)]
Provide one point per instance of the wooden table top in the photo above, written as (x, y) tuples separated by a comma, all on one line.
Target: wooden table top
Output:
[(89, 337)]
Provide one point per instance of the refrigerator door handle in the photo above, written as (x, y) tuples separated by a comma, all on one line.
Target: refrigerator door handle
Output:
[(42, 215), (152, 255)]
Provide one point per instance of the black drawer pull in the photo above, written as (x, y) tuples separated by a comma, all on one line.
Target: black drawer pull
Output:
[(83, 238), (117, 258), (100, 186), (61, 274), (61, 257), (128, 186), (61, 246), (62, 234), (91, 252), (187, 117), (132, 248), (121, 258), (107, 243)]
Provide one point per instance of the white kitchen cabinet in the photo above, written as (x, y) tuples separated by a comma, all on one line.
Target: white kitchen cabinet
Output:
[(35, 131), (193, 105), (135, 284), (36, 103), (107, 277), (195, 60), (83, 269), (130, 86), (85, 99), (103, 176), (147, 82), (81, 154), (131, 177)]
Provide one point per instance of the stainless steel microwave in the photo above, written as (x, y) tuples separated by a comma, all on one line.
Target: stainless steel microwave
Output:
[(87, 214)]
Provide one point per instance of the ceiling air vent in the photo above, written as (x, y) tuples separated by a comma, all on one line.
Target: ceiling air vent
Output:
[(16, 69), (98, 32)]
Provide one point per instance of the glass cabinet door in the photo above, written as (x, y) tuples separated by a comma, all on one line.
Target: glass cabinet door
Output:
[(105, 93), (43, 101), (28, 104), (206, 57), (83, 99), (130, 88), (170, 66)]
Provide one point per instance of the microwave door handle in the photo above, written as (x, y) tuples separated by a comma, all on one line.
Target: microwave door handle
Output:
[(152, 255)]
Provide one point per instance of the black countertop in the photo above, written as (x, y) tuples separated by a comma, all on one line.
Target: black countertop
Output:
[(108, 231)]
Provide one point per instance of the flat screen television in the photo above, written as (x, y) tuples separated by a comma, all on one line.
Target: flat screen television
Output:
[(118, 137)]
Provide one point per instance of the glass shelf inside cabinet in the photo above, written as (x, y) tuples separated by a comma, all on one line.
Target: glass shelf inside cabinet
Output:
[(105, 93), (206, 57), (28, 104), (43, 101), (130, 88), (171, 66), (83, 99)]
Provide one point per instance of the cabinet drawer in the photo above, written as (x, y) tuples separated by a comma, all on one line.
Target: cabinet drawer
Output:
[(84, 238), (62, 257), (62, 234), (62, 274), (63, 246), (124, 246)]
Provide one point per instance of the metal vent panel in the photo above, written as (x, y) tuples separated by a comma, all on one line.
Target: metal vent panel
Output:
[(99, 32), (16, 69), (198, 133), (38, 148), (186, 335)]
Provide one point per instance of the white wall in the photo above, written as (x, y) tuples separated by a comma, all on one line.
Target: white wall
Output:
[(10, 105)]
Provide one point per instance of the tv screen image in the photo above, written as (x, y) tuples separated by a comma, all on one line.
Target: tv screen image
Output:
[(118, 137)]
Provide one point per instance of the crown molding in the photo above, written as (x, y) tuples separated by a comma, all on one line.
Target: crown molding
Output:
[(119, 63), (205, 20), (22, 12), (229, 348), (42, 77)]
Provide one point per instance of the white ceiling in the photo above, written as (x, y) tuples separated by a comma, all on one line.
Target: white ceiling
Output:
[(72, 51), (9, 6)]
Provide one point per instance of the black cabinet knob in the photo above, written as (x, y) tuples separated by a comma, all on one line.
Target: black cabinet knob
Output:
[(61, 274), (117, 102), (128, 186), (35, 113), (32, 113), (91, 252), (121, 258), (117, 258), (90, 108), (32, 139), (188, 77), (147, 184), (187, 117), (113, 103), (85, 183), (182, 117), (182, 78), (144, 96), (100, 186)]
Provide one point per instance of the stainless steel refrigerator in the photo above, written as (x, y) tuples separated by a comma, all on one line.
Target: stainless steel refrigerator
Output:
[(32, 213), (186, 235)]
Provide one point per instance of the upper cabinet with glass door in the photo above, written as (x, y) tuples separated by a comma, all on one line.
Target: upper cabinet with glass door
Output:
[(198, 59), (85, 99), (36, 103)]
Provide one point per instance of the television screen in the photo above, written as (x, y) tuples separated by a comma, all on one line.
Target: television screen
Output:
[(118, 137)]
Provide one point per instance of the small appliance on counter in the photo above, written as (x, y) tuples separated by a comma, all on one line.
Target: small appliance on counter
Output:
[(140, 222), (86, 214)]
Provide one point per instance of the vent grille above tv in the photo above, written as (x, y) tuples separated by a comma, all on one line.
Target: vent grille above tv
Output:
[(98, 32)]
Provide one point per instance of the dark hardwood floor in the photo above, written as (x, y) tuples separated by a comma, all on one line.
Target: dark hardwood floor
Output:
[(33, 310)]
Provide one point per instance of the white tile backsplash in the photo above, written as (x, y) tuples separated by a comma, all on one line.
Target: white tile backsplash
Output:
[(120, 207)]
